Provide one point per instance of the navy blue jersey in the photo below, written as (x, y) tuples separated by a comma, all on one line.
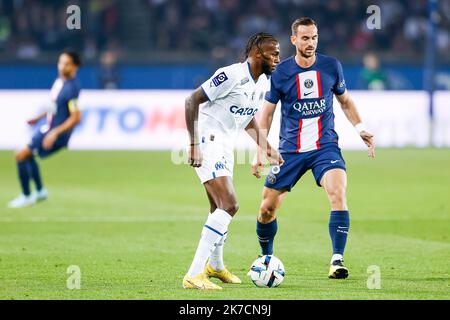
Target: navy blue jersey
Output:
[(64, 94), (306, 95)]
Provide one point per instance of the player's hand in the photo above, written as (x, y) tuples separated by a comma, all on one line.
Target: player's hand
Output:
[(33, 121), (257, 165), (49, 140), (369, 141), (195, 156), (274, 157)]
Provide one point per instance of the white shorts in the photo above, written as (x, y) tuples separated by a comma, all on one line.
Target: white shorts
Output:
[(218, 157)]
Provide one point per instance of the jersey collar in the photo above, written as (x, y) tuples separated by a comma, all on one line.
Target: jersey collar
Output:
[(310, 67), (247, 67)]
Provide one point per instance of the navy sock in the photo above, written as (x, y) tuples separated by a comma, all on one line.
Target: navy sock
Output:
[(34, 173), (339, 226), (266, 234), (24, 177)]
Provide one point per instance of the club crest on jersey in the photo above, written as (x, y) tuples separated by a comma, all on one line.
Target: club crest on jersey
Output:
[(243, 111), (308, 83), (220, 78)]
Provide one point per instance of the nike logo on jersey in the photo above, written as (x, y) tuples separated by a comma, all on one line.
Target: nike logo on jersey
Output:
[(308, 93), (334, 161)]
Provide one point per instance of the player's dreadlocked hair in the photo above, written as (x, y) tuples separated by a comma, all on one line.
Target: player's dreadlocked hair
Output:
[(257, 40)]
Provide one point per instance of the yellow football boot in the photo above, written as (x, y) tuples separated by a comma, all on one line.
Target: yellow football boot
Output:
[(224, 275), (200, 282)]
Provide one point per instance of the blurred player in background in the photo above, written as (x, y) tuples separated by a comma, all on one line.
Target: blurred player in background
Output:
[(305, 84), (233, 95), (63, 115)]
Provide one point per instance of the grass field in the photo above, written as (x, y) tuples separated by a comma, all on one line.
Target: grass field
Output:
[(131, 221)]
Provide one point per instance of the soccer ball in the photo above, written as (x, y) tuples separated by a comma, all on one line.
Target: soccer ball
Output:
[(267, 272)]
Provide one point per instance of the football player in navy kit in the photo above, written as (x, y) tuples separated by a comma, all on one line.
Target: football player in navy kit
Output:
[(62, 116), (305, 85)]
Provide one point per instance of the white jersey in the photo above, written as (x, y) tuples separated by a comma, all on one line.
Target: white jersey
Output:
[(234, 98)]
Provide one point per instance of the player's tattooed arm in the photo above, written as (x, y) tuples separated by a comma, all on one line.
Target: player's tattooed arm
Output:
[(352, 114), (192, 104)]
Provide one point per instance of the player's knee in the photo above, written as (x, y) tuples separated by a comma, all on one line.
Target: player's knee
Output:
[(337, 196), (19, 156), (231, 207), (267, 212)]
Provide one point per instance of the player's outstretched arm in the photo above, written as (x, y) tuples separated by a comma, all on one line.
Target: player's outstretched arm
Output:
[(352, 114), (259, 134), (69, 124), (35, 120), (192, 104)]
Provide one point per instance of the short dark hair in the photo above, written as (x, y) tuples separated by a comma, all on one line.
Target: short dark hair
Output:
[(303, 21), (257, 40), (73, 55)]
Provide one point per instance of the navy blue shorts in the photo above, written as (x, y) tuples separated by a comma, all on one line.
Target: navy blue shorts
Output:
[(36, 144), (296, 164)]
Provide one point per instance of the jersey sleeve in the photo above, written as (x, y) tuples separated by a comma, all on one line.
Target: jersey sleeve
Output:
[(273, 95), (339, 86), (220, 84), (72, 99)]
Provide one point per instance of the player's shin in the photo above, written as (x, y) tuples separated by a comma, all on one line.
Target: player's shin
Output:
[(339, 226), (24, 177), (213, 231), (216, 259), (35, 173), (266, 234)]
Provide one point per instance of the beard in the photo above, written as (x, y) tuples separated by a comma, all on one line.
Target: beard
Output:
[(306, 54), (266, 68)]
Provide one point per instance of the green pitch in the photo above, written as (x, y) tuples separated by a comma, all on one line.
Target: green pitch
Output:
[(131, 221)]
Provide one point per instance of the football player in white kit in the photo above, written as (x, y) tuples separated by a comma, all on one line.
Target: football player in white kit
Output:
[(233, 95)]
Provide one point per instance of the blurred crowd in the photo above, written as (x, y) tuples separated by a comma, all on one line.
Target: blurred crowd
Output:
[(209, 24), (31, 27)]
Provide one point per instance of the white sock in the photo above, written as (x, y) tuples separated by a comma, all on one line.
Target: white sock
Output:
[(216, 259), (336, 256), (215, 227)]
